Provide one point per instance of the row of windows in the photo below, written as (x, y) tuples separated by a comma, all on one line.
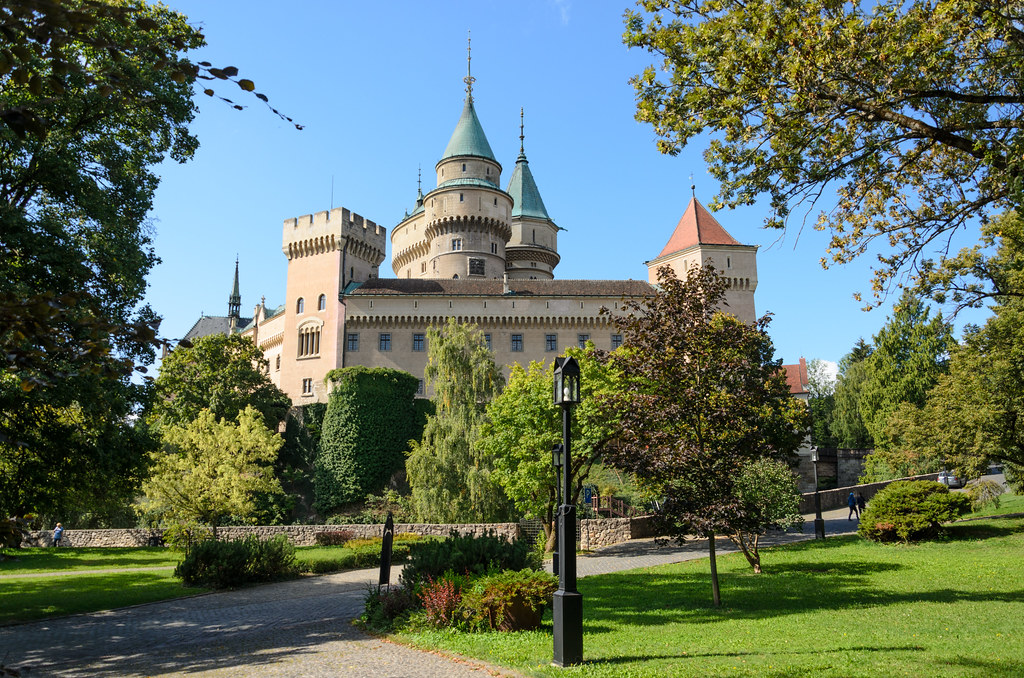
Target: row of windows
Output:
[(516, 344), (309, 342), (321, 304)]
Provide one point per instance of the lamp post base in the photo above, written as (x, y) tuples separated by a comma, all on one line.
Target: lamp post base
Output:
[(567, 617), (819, 528)]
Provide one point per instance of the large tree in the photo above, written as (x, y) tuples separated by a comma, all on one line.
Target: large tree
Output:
[(211, 469), (451, 479), (909, 113), (702, 397), (847, 425), (220, 373), (821, 402), (523, 424)]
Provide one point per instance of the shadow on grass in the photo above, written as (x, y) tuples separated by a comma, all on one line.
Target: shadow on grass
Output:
[(988, 528), (66, 559)]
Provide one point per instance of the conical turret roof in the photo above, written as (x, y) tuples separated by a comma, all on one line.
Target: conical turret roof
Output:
[(525, 194), (468, 137), (697, 227)]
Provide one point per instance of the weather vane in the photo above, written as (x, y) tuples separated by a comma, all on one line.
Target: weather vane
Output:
[(469, 79)]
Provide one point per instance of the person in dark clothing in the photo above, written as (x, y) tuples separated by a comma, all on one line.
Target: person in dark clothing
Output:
[(851, 501), (862, 503)]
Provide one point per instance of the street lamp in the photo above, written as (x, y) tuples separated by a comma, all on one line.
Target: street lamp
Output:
[(558, 462), (819, 522), (567, 608)]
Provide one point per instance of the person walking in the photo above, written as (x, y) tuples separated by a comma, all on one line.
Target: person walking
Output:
[(851, 501), (58, 534), (862, 503)]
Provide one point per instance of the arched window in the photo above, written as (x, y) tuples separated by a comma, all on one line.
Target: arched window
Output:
[(309, 342), (300, 305), (321, 303)]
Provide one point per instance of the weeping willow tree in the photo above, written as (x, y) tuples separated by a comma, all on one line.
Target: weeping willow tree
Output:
[(450, 479)]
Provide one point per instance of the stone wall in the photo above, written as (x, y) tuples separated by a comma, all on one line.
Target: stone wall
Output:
[(598, 532), (299, 535), (837, 498)]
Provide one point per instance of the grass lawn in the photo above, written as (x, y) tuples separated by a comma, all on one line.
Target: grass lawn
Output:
[(1008, 503), (843, 607), (30, 560), (28, 598)]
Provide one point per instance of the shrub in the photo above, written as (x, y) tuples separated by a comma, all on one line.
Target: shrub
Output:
[(984, 492), (441, 600), (185, 535), (386, 606), (510, 600), (911, 510), (226, 564), (334, 537), (471, 555)]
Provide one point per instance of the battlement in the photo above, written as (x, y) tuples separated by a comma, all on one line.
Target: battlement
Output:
[(327, 230)]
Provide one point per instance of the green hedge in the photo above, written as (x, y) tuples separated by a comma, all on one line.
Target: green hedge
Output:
[(227, 564), (911, 510), (371, 416)]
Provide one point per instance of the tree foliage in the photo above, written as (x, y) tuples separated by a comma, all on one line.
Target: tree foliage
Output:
[(451, 479), (523, 424), (821, 403), (702, 397), (847, 425), (211, 469), (909, 111), (771, 498), (222, 374), (371, 417)]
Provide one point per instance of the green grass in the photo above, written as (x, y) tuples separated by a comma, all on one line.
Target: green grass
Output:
[(843, 607), (1008, 503), (29, 560), (29, 598)]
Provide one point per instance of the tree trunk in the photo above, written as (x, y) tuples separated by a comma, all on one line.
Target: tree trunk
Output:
[(714, 571), (750, 552), (550, 534)]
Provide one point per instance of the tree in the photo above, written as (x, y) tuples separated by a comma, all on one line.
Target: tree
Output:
[(371, 417), (910, 110), (211, 469), (821, 403), (451, 480), (847, 426), (911, 351), (221, 373), (522, 425), (771, 499), (702, 397)]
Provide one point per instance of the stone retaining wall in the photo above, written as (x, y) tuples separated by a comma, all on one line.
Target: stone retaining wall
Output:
[(598, 532), (299, 535), (834, 499)]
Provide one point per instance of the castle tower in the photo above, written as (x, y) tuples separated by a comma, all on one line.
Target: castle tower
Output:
[(466, 218), (699, 240), (326, 251), (532, 252), (235, 300)]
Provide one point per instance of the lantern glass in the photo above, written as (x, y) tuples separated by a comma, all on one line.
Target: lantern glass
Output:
[(567, 381), (556, 456), (814, 455)]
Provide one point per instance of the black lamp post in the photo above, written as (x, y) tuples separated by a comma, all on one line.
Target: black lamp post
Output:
[(567, 610), (819, 522)]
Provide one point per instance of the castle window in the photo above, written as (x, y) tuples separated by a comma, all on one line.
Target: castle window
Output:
[(463, 167), (419, 388), (309, 342), (582, 339), (728, 262), (423, 267), (535, 235), (454, 277), (321, 303), (494, 248), (550, 342), (384, 341), (487, 340), (307, 387), (461, 197), (517, 343), (495, 202), (456, 244), (352, 341), (476, 266), (419, 342), (300, 305), (616, 341), (277, 363), (352, 272)]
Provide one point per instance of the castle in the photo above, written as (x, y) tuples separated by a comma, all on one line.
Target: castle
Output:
[(468, 250)]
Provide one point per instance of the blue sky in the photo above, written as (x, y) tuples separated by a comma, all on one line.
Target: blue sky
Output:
[(379, 90)]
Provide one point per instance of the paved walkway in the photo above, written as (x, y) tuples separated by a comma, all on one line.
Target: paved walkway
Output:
[(296, 629)]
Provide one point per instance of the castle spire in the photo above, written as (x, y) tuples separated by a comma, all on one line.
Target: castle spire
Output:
[(235, 300), (521, 151), (469, 79)]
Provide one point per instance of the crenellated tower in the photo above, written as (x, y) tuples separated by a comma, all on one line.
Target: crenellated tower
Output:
[(532, 251)]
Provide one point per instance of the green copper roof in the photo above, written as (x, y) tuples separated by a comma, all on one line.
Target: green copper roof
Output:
[(468, 137), (467, 181), (523, 189)]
